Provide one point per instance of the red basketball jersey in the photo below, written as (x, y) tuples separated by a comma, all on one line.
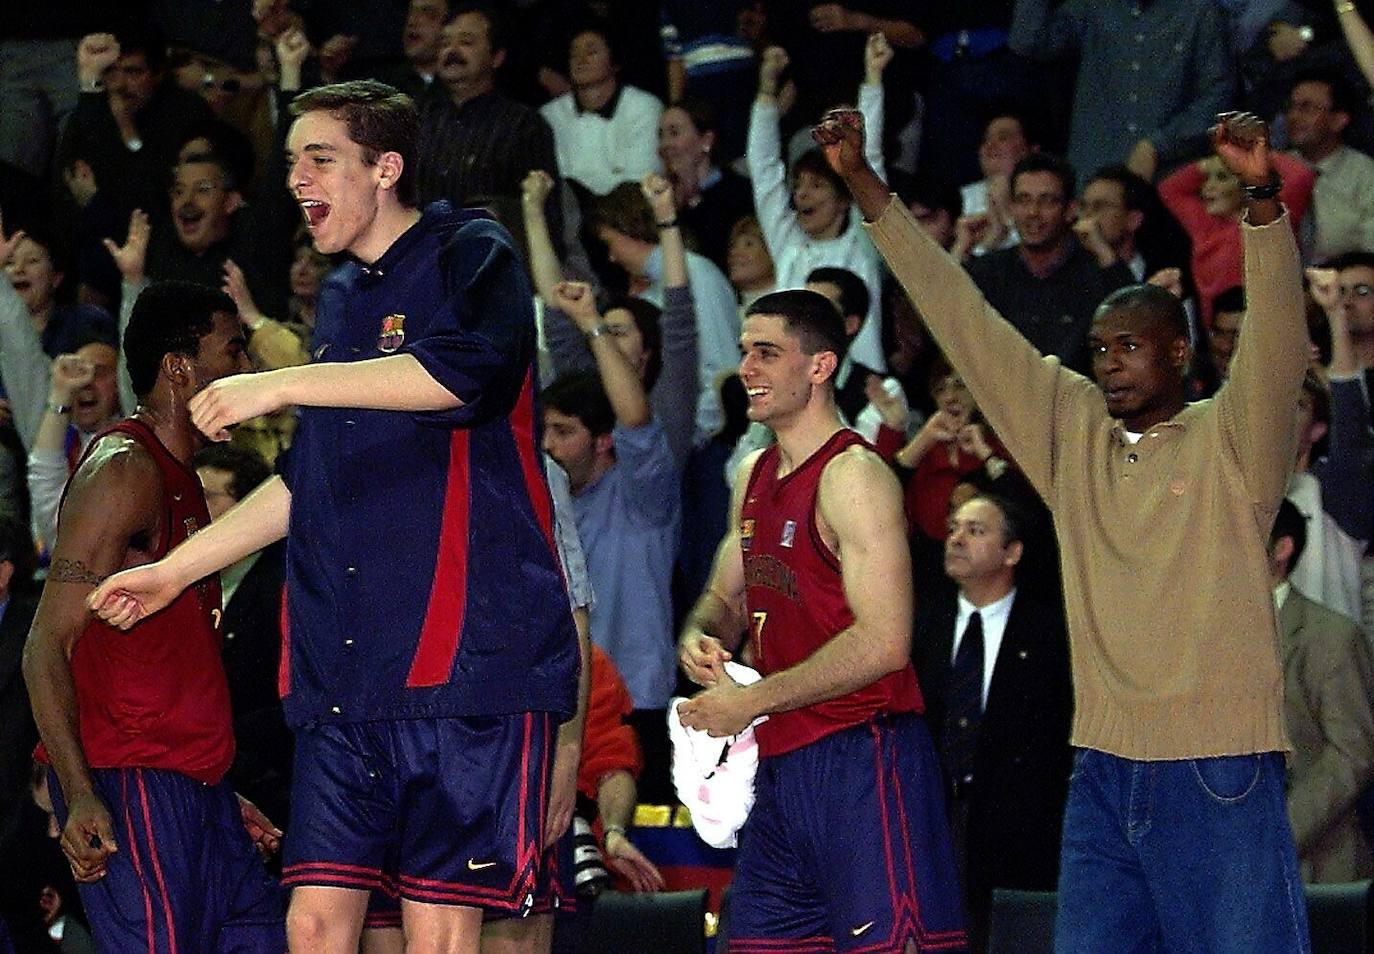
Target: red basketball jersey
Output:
[(796, 601), (156, 696)]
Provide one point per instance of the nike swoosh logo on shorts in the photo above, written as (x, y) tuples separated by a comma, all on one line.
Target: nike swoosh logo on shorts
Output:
[(862, 928), (474, 865)]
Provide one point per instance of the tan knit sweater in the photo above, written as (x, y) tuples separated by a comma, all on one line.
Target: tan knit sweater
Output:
[(1171, 622)]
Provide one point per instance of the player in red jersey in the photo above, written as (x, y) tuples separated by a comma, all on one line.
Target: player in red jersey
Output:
[(846, 847), (137, 725)]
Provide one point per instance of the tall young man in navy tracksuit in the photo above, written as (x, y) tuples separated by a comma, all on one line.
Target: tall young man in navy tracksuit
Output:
[(431, 651)]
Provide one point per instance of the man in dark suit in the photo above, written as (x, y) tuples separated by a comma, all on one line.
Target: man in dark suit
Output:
[(993, 663), (252, 638)]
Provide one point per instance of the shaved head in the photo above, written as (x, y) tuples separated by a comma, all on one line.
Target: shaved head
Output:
[(1154, 310)]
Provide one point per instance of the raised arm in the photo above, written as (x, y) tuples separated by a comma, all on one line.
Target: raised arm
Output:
[(1348, 468), (619, 378), (860, 501), (545, 268), (48, 469), (1255, 405), (270, 343), (763, 155), (1357, 36), (658, 192), (986, 350), (130, 259), (877, 56), (1180, 191), (108, 504), (836, 18)]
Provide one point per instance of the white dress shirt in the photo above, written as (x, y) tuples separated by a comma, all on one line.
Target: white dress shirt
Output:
[(995, 616)]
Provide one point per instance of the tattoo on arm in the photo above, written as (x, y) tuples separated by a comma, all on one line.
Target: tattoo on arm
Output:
[(72, 571)]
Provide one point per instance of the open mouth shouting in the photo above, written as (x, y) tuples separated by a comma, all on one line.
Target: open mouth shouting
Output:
[(315, 212), (189, 218)]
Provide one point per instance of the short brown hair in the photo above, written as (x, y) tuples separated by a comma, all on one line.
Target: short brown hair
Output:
[(378, 117), (625, 210)]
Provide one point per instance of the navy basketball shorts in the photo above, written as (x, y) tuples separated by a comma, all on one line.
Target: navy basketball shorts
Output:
[(847, 848), (553, 891), (433, 811), (185, 875)]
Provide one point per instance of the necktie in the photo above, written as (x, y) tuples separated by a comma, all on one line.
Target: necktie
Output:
[(964, 706)]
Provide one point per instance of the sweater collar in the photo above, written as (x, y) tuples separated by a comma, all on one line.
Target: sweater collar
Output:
[(1179, 422)]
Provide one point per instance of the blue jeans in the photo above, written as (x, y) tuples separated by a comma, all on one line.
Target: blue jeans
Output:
[(1193, 855)]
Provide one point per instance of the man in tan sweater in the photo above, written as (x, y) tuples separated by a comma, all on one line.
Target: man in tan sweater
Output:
[(1175, 835)]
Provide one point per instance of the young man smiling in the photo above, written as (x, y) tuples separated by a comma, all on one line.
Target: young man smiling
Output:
[(814, 575), (1175, 834), (424, 714)]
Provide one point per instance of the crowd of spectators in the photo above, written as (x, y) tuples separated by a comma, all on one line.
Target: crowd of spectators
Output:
[(657, 156)]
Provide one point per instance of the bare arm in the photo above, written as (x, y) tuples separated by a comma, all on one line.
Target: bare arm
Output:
[(834, 18), (615, 800), (259, 519), (545, 269), (93, 543), (860, 500), (717, 622), (568, 749), (659, 195), (48, 457), (397, 382)]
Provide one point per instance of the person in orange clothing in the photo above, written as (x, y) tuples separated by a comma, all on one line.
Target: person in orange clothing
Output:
[(611, 761)]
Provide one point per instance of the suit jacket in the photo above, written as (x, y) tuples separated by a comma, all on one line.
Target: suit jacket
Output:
[(1022, 763), (1328, 682), (252, 654)]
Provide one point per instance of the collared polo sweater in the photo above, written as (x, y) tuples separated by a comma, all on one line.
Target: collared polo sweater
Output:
[(1162, 542)]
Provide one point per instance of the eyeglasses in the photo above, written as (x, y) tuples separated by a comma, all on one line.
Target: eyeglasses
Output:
[(1362, 290)]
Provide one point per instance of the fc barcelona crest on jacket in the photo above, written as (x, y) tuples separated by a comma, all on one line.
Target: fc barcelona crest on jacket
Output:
[(393, 333)]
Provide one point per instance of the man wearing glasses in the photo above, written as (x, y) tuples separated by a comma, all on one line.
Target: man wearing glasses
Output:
[(1049, 284), (1320, 106), (206, 225), (1355, 278)]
